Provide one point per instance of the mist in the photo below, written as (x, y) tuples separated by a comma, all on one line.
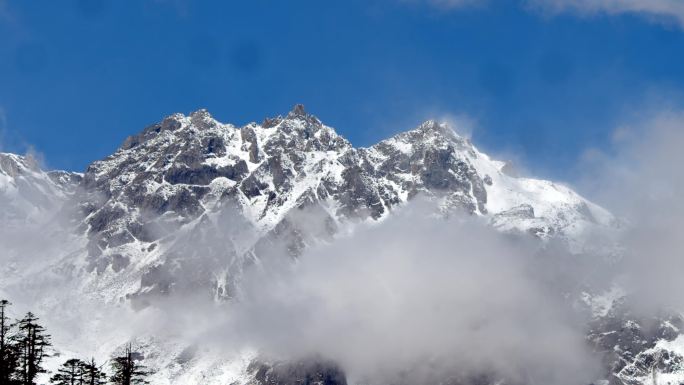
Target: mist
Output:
[(640, 179), (417, 298)]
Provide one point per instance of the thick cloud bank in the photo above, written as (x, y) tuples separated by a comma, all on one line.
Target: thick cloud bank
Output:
[(641, 180), (419, 297)]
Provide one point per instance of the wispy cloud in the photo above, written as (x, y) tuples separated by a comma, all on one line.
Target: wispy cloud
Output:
[(453, 3), (447, 4), (671, 11), (659, 10), (3, 126), (6, 15), (640, 179), (4, 12)]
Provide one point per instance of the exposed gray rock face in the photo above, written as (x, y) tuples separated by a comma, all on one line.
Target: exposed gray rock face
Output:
[(307, 372), (430, 160), (632, 346), (177, 179)]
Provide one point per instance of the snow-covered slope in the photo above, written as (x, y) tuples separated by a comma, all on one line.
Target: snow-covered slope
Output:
[(28, 193), (434, 160), (30, 200)]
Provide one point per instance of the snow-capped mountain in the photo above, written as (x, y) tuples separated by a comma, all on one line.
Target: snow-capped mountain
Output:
[(286, 182), (187, 203)]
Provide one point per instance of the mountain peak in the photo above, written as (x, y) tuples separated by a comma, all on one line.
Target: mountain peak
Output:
[(201, 113), (298, 110), (429, 124), (434, 126), (202, 119), (299, 114), (13, 164), (430, 132)]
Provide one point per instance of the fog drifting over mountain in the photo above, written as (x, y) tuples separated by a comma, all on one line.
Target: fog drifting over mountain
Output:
[(414, 299), (641, 180)]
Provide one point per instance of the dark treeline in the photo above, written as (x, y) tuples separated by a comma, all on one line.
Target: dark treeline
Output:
[(25, 344)]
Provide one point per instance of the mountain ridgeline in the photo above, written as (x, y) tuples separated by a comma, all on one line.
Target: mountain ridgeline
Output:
[(193, 178)]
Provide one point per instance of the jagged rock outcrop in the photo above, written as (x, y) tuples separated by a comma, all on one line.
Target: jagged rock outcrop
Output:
[(180, 175), (305, 372)]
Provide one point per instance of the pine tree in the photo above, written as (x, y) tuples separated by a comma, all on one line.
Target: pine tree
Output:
[(70, 373), (8, 352), (126, 370), (32, 346), (92, 374)]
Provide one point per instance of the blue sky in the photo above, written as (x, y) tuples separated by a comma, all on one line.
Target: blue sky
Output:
[(540, 80)]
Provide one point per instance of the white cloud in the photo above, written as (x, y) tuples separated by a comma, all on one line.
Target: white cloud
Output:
[(419, 298), (6, 16), (446, 4), (453, 3), (641, 180), (3, 126), (660, 10), (3, 9)]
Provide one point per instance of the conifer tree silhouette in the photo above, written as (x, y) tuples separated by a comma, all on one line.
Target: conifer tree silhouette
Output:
[(32, 344), (126, 370)]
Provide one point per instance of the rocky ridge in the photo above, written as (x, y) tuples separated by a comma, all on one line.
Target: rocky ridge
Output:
[(195, 176)]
